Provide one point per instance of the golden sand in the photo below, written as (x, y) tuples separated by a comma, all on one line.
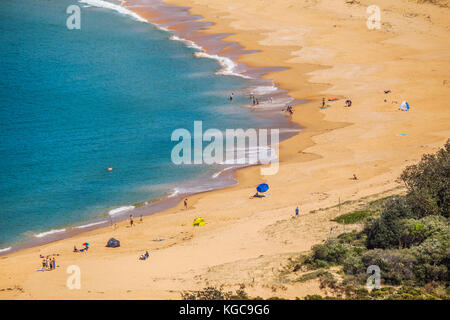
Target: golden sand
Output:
[(330, 53)]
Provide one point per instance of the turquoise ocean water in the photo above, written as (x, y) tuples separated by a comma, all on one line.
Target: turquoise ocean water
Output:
[(75, 102)]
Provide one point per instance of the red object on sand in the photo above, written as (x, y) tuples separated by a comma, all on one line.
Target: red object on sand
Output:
[(333, 99)]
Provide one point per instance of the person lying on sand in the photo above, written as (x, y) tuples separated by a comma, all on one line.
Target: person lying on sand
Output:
[(257, 195), (354, 177), (144, 256)]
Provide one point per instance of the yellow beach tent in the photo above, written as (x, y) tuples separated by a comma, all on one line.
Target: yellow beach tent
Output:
[(199, 222)]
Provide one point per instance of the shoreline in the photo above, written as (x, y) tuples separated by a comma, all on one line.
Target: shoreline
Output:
[(230, 67), (247, 241)]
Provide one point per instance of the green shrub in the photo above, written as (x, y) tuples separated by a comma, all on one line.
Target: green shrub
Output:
[(208, 293), (353, 264), (416, 231), (397, 266), (386, 231), (433, 256), (330, 253), (353, 217), (428, 184)]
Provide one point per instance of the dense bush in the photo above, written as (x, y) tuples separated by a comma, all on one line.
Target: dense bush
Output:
[(428, 184), (397, 266), (433, 256), (409, 240), (386, 231), (332, 252), (353, 217)]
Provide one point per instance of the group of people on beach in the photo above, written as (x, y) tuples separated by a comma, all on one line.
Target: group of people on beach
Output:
[(132, 220), (348, 102), (48, 263), (254, 100)]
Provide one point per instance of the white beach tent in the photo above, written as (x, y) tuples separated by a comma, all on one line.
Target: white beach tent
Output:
[(404, 106)]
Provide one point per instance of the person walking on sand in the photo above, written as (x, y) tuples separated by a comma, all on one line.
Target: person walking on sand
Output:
[(185, 204), (323, 102), (131, 220), (296, 211), (54, 264)]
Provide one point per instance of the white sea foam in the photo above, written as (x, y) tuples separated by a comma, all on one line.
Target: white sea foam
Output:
[(252, 156), (115, 7), (188, 43), (89, 225), (215, 175), (262, 90), (120, 210), (228, 65), (190, 189), (46, 233), (5, 249)]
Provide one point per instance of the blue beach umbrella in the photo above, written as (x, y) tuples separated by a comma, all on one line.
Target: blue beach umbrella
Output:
[(263, 187)]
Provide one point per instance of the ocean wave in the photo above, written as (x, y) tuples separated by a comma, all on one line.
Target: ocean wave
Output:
[(228, 65), (252, 156), (5, 249), (215, 175), (89, 225), (190, 190), (262, 90), (120, 210), (46, 233), (188, 43), (115, 7)]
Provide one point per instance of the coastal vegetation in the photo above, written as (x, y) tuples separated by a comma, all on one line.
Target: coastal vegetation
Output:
[(406, 236)]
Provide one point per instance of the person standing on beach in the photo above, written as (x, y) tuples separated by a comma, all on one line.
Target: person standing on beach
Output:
[(185, 204), (131, 220), (323, 102), (296, 211), (54, 264)]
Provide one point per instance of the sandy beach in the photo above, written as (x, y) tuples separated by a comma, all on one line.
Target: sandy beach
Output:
[(328, 52)]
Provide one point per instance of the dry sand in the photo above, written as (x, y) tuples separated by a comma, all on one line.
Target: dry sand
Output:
[(330, 53)]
